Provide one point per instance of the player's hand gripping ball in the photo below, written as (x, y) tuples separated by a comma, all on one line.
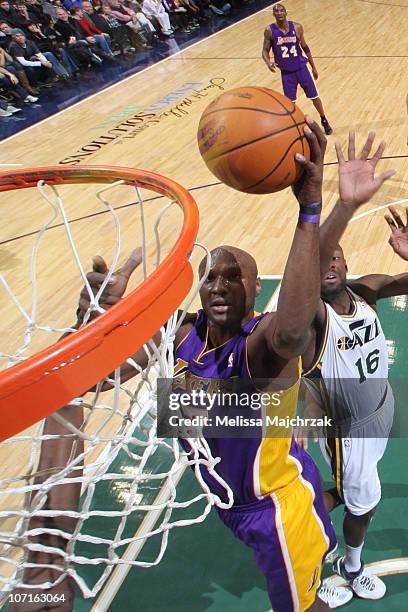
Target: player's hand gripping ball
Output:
[(248, 137)]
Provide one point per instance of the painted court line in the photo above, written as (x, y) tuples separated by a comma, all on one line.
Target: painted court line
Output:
[(373, 210)]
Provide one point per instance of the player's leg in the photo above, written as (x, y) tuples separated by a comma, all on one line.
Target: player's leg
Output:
[(289, 541), (361, 491), (289, 85), (326, 594), (309, 87), (332, 499)]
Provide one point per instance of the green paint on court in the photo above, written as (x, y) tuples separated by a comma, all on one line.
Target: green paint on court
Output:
[(205, 569)]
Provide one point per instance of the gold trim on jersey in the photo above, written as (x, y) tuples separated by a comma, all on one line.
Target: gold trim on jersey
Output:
[(317, 358), (187, 335), (182, 340), (353, 301), (256, 314), (334, 449), (204, 352)]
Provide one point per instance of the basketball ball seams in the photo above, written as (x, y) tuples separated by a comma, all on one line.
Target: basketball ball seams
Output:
[(302, 136), (240, 148), (268, 93), (260, 181), (290, 113), (221, 109), (255, 140)]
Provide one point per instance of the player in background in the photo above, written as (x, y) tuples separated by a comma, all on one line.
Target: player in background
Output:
[(347, 368), (286, 39)]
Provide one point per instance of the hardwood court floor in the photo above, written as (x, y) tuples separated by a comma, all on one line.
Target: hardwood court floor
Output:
[(150, 121)]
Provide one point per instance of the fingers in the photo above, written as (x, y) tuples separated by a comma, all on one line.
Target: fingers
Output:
[(378, 154), (321, 138), (391, 223), (316, 139), (307, 165), (134, 260), (352, 145), (382, 178), (339, 152), (396, 217), (96, 278), (99, 265), (365, 152)]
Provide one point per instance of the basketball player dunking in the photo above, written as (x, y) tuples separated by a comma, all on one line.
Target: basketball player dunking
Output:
[(278, 505), (347, 369), (287, 40), (277, 496)]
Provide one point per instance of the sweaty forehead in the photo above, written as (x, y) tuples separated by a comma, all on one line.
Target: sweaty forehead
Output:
[(279, 7), (232, 259)]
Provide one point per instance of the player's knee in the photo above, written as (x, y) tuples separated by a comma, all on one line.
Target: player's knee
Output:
[(364, 518), (332, 499)]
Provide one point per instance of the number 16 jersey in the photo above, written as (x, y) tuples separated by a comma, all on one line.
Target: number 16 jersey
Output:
[(351, 366), (286, 48)]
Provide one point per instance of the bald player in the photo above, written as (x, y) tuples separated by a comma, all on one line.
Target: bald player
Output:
[(287, 41), (278, 501)]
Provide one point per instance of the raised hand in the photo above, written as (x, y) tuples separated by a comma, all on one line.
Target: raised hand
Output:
[(399, 232), (308, 189), (357, 183), (116, 286)]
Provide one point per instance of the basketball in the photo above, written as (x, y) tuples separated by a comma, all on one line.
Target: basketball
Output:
[(248, 137)]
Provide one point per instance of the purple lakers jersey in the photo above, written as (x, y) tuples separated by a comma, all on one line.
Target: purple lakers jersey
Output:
[(286, 48), (253, 467)]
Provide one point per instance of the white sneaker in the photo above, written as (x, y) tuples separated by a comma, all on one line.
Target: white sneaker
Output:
[(331, 556), (4, 113), (31, 99), (363, 583), (13, 109), (334, 596)]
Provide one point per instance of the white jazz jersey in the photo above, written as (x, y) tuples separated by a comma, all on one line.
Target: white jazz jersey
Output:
[(352, 365)]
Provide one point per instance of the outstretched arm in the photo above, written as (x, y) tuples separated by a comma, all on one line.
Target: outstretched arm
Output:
[(301, 34), (266, 50), (357, 185), (374, 287), (289, 330)]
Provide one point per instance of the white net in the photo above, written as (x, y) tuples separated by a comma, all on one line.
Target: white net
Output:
[(83, 490)]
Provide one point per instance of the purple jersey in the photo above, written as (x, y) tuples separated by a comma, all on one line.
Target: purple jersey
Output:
[(286, 48), (253, 467)]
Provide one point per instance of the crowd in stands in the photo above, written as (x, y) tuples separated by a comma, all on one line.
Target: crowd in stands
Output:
[(49, 42)]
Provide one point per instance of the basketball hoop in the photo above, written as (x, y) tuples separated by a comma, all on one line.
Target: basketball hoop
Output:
[(111, 440), (75, 364)]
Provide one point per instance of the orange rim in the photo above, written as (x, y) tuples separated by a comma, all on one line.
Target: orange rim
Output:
[(37, 387)]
